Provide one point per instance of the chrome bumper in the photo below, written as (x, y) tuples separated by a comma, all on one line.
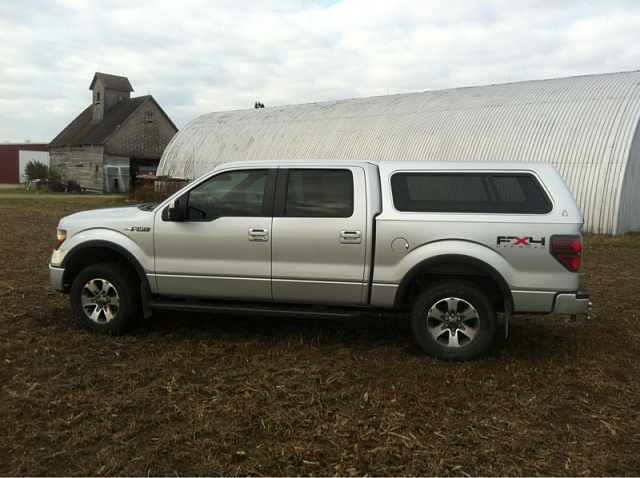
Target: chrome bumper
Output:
[(575, 303), (56, 277)]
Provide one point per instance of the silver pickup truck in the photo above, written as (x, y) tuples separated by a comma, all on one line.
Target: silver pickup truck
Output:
[(451, 244)]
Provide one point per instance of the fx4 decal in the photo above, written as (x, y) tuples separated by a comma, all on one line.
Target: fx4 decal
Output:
[(515, 241)]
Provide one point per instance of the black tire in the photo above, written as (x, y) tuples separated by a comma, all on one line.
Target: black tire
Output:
[(105, 298), (454, 321)]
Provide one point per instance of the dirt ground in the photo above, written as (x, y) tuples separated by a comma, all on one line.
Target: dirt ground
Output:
[(226, 395)]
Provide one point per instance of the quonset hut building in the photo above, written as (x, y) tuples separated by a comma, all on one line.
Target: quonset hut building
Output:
[(588, 127)]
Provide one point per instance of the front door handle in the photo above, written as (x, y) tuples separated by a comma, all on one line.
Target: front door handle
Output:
[(258, 235), (350, 237)]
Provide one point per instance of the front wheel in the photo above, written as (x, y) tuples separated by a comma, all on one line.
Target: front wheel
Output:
[(454, 321), (105, 298)]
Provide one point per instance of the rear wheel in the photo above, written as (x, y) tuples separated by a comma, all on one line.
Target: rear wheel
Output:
[(454, 321), (105, 298)]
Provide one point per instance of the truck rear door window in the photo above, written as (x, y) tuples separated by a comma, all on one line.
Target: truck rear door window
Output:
[(319, 193), (469, 193)]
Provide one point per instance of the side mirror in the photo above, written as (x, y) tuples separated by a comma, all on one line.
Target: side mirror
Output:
[(174, 212)]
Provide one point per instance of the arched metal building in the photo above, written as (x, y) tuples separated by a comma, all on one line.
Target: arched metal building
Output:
[(588, 127)]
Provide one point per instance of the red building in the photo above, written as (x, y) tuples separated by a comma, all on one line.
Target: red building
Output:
[(14, 157)]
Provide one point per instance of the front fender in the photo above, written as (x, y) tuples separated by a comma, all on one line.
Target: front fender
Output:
[(84, 248)]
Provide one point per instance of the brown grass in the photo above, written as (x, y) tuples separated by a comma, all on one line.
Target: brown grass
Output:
[(221, 395)]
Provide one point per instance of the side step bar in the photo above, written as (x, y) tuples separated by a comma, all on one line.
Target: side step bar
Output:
[(247, 308)]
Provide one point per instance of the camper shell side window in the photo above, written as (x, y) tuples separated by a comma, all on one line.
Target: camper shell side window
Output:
[(502, 193)]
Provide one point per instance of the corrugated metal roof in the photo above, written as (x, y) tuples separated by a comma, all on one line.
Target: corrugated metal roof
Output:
[(587, 127)]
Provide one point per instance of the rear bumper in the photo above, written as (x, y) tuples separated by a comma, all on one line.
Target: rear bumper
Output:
[(574, 303)]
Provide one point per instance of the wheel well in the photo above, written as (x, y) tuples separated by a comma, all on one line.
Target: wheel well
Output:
[(482, 276), (94, 255)]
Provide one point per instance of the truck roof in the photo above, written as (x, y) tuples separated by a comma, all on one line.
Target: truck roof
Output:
[(388, 166)]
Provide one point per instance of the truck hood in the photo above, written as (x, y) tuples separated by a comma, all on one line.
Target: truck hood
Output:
[(111, 218)]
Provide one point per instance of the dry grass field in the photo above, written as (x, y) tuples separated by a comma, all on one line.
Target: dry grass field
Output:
[(225, 395)]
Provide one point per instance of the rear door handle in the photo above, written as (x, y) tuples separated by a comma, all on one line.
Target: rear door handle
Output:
[(258, 235), (350, 237)]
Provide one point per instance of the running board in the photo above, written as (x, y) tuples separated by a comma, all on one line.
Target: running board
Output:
[(245, 308)]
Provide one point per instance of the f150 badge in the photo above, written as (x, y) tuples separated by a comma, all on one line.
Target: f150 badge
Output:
[(137, 229), (515, 241)]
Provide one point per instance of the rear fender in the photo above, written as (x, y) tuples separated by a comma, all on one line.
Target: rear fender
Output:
[(430, 259)]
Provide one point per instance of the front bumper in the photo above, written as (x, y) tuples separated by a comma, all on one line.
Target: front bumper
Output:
[(56, 277)]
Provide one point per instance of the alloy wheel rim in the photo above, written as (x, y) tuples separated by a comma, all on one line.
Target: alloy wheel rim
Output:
[(100, 301), (453, 322)]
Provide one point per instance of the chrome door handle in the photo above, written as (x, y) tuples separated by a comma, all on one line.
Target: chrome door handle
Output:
[(258, 235), (350, 237)]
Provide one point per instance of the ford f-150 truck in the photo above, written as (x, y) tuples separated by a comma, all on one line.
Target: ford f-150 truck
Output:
[(452, 244)]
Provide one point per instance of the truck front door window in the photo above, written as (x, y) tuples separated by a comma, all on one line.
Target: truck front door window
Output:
[(236, 193)]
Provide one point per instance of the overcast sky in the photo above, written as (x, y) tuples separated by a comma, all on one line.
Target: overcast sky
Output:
[(201, 56)]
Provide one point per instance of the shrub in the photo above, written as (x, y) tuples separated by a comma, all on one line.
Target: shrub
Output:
[(36, 170)]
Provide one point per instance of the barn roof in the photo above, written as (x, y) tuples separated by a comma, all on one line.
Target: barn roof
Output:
[(82, 131), (112, 82), (586, 126)]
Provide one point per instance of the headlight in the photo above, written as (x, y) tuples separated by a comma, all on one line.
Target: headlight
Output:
[(61, 236)]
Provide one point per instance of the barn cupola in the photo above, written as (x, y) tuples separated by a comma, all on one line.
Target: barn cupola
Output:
[(108, 91)]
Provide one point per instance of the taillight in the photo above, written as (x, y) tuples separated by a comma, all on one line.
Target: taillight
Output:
[(567, 250)]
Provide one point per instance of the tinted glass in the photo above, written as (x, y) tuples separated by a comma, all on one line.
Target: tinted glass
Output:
[(521, 193), (468, 193), (237, 193), (319, 193)]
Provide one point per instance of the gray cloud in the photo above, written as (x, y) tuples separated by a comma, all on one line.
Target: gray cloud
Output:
[(197, 56)]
